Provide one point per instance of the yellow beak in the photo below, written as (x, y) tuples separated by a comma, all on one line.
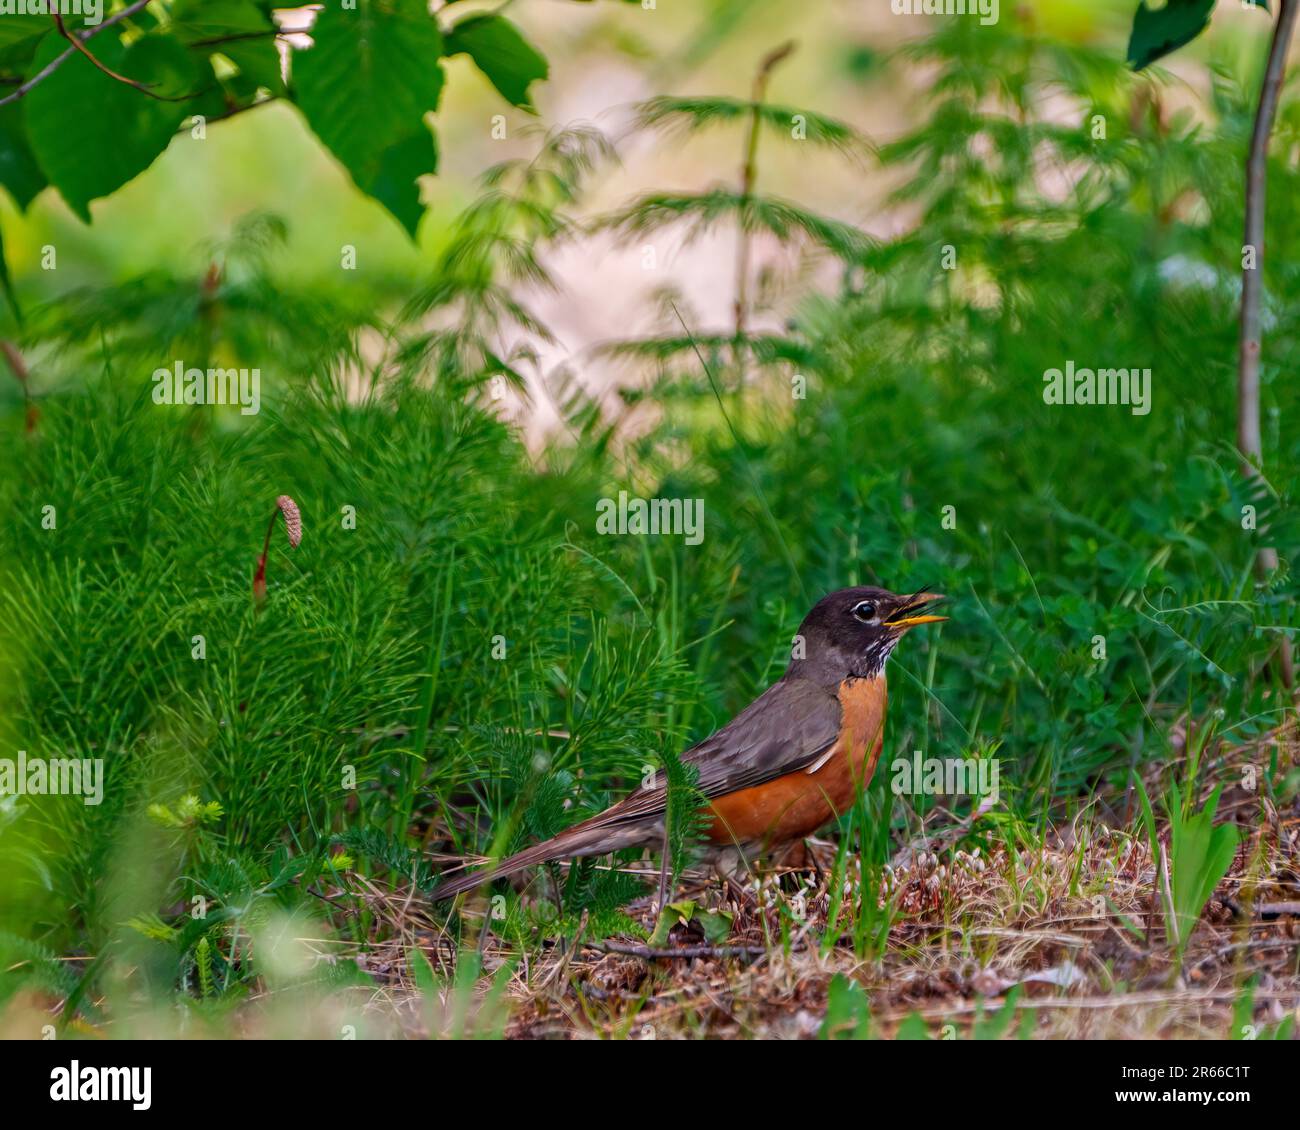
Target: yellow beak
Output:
[(900, 620)]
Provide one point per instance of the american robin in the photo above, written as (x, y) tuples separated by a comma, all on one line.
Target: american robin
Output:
[(790, 761)]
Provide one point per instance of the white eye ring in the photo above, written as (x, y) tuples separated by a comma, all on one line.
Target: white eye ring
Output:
[(865, 610)]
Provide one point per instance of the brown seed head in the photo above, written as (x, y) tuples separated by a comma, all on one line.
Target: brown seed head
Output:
[(292, 519)]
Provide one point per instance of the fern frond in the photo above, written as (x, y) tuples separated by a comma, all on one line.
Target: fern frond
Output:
[(690, 115), (702, 212)]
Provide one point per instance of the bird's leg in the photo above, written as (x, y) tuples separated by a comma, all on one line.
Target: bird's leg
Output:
[(737, 891), (728, 863), (816, 863)]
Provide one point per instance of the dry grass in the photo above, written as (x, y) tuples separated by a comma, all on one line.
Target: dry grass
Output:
[(1072, 922)]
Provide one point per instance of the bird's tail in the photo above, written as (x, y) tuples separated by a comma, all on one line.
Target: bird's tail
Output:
[(591, 837)]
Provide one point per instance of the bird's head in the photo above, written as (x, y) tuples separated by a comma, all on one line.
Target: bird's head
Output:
[(852, 631)]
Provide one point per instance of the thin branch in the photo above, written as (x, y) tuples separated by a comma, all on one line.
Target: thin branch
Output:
[(188, 123), (216, 41), (94, 62), (1252, 285), (125, 14), (141, 87), (58, 61)]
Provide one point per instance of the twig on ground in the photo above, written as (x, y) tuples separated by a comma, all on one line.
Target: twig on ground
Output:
[(651, 953)]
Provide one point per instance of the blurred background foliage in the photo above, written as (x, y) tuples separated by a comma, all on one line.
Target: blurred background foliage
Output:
[(446, 391)]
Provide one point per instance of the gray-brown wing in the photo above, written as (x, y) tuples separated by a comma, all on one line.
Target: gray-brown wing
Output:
[(787, 728)]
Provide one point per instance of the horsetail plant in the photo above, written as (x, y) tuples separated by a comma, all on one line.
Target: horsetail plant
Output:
[(293, 527)]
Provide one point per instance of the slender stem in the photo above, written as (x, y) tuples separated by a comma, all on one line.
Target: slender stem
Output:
[(748, 175), (259, 573), (58, 61), (216, 41), (187, 123), (665, 865), (1249, 441), (270, 529), (19, 369), (132, 83)]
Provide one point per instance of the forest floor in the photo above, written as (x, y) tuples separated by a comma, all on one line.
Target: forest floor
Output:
[(1064, 939)]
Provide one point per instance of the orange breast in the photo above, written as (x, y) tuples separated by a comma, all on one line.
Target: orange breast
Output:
[(797, 804)]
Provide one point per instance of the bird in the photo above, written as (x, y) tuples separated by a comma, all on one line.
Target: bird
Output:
[(792, 760)]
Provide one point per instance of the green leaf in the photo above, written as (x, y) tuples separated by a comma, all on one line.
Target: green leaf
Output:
[(426, 981), (66, 114), (510, 62), (365, 87), (152, 926), (211, 101), (237, 29), (1201, 856), (19, 172), (913, 1028), (848, 1011), (258, 62), (16, 54), (20, 28), (995, 1027), (166, 68), (716, 925), (198, 21), (1158, 31), (674, 914), (1148, 818), (394, 181)]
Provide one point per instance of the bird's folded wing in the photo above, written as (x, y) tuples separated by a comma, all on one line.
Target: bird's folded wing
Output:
[(789, 727)]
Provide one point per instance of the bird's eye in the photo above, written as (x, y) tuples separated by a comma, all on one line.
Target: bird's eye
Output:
[(865, 610)]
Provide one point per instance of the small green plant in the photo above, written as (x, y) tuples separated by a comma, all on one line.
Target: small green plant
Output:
[(1199, 856), (714, 924), (997, 1025), (848, 1011), (452, 1006), (1244, 1025), (744, 207)]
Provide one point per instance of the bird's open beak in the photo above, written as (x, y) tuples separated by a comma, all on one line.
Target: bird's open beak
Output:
[(905, 617)]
